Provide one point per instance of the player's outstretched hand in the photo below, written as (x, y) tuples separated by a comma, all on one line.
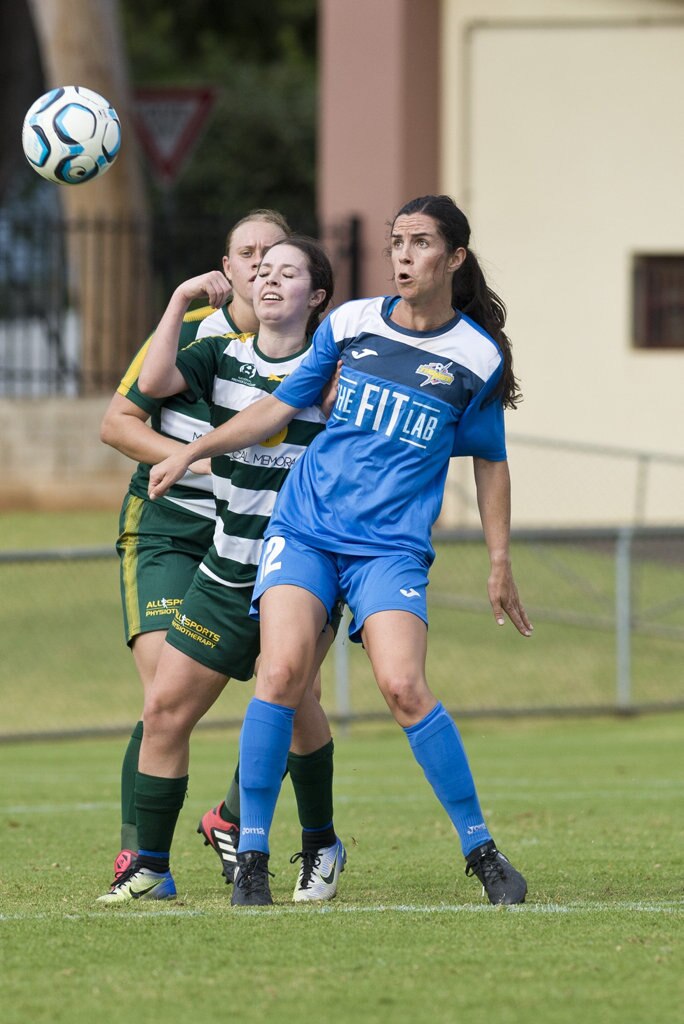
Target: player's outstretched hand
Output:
[(503, 597), (165, 474), (214, 285)]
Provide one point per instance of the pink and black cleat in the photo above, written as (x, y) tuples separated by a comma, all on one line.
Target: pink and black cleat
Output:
[(123, 862)]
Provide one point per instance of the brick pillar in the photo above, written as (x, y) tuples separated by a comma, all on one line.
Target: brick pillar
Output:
[(378, 117)]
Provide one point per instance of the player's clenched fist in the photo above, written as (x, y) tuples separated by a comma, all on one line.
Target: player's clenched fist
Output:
[(165, 474), (214, 285)]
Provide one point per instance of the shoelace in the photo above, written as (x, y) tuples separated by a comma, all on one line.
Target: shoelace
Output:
[(253, 876), (488, 865), (128, 873), (310, 861)]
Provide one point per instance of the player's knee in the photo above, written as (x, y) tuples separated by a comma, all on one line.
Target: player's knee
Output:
[(166, 718), (281, 682), (405, 694)]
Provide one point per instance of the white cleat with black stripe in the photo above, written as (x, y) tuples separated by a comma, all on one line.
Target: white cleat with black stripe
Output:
[(319, 873)]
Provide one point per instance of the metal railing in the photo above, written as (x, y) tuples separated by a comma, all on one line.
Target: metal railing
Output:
[(78, 297), (608, 605)]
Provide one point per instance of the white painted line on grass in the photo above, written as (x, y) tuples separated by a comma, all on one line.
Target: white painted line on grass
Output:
[(586, 907)]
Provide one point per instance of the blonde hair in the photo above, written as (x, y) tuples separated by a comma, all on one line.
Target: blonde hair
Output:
[(268, 216)]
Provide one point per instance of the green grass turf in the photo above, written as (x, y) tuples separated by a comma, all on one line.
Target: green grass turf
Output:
[(27, 530), (591, 811)]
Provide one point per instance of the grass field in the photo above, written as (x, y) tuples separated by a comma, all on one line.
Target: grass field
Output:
[(27, 530), (591, 810)]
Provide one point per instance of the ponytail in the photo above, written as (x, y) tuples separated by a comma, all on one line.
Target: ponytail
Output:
[(471, 294)]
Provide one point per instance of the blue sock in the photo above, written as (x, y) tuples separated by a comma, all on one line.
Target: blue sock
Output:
[(154, 860), (438, 749), (264, 742)]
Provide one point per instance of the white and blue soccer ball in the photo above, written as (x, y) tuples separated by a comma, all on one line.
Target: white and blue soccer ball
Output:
[(71, 135)]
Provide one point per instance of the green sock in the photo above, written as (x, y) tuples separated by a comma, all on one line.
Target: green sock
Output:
[(157, 804), (230, 808), (312, 777), (129, 767), (230, 811)]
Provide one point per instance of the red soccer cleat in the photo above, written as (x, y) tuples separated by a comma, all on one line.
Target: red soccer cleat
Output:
[(222, 836)]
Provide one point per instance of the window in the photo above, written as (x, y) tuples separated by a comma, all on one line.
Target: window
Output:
[(659, 302)]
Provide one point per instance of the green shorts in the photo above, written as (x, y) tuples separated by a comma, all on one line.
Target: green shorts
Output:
[(159, 551), (213, 627)]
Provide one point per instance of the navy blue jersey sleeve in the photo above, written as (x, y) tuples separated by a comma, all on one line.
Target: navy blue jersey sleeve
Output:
[(198, 362), (481, 431), (303, 388)]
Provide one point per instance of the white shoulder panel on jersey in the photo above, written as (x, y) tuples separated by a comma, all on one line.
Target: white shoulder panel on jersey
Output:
[(462, 342), (213, 325)]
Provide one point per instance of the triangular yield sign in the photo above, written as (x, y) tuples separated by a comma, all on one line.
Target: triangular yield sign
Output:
[(169, 121)]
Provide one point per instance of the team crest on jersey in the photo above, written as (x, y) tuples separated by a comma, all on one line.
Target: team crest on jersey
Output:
[(435, 373), (247, 371)]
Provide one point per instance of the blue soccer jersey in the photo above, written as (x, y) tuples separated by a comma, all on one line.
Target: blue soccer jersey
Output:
[(373, 480)]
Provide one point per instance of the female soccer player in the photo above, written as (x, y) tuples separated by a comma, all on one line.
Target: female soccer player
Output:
[(426, 375), (162, 545), (214, 638)]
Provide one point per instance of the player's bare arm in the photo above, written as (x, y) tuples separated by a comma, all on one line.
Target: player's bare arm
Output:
[(125, 427), (329, 396), (493, 484), (256, 423), (159, 376)]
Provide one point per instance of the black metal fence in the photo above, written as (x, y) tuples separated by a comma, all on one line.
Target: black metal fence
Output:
[(77, 297)]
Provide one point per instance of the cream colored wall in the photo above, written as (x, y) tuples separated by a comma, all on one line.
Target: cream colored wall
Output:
[(378, 120), (460, 16), (52, 457), (562, 138)]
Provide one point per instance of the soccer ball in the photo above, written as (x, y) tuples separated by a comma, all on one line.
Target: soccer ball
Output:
[(71, 135)]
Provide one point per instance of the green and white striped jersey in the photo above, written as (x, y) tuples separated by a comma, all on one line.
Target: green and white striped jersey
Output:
[(181, 416), (231, 373)]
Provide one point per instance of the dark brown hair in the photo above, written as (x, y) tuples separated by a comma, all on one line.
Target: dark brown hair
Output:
[(320, 271), (470, 292)]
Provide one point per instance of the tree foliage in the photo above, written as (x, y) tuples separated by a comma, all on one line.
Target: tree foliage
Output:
[(259, 146)]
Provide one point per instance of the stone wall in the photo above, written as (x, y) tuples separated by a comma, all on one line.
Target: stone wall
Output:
[(51, 456)]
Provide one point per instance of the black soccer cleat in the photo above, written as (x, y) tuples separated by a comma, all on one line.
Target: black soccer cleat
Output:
[(500, 880), (250, 887)]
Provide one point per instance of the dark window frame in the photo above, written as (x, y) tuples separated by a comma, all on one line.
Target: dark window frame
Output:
[(658, 301)]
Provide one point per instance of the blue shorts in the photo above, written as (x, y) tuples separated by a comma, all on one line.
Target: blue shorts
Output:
[(367, 583)]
